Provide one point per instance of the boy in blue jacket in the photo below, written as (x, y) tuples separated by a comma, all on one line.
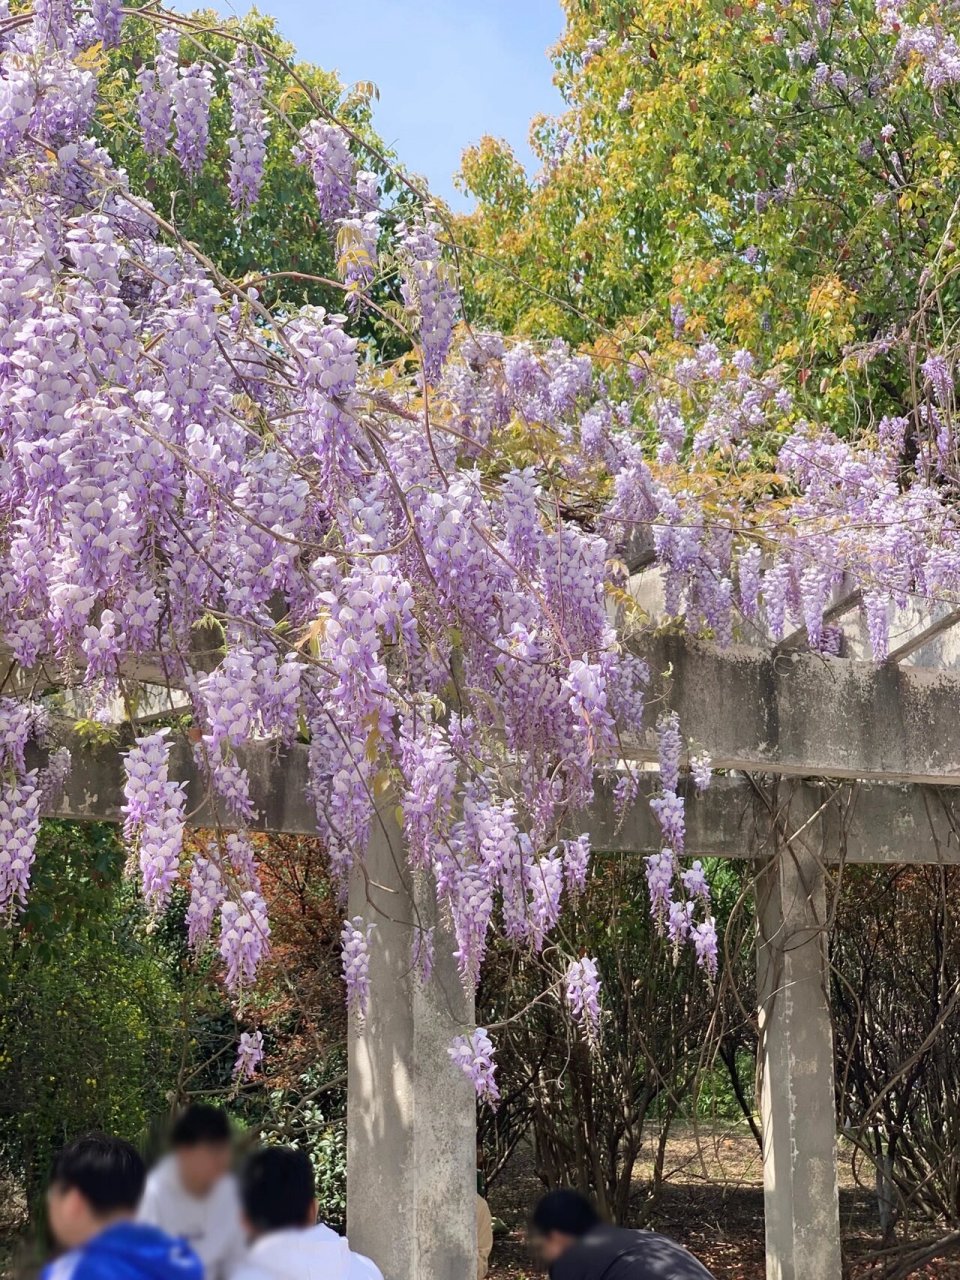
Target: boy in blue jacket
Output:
[(95, 1188)]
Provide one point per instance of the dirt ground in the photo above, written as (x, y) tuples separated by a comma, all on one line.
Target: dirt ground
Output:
[(712, 1203)]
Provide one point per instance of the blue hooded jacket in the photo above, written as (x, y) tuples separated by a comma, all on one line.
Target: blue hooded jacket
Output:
[(128, 1251)]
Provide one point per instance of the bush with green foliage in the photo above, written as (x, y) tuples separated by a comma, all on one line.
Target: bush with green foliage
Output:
[(89, 1006)]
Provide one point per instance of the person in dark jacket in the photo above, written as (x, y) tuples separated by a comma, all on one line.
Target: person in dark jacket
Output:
[(577, 1245), (94, 1191)]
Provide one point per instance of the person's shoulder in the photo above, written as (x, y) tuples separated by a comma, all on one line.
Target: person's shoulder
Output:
[(248, 1270), (663, 1251), (138, 1249), (63, 1268), (363, 1268), (163, 1174)]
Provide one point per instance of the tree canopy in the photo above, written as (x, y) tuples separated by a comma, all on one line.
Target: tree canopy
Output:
[(783, 174)]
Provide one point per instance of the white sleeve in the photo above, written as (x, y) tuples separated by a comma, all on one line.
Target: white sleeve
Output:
[(245, 1270), (235, 1263), (234, 1259), (362, 1268), (149, 1210)]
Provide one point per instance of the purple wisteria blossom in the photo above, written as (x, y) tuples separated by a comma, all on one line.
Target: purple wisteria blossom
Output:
[(429, 292), (247, 143), (582, 988), (473, 1054), (576, 863), (191, 96), (155, 100), (154, 815), (355, 962), (325, 149), (244, 938), (249, 1055)]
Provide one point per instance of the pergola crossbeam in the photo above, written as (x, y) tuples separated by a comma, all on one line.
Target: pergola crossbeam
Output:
[(733, 819), (869, 823), (806, 715), (278, 788), (922, 637), (797, 639)]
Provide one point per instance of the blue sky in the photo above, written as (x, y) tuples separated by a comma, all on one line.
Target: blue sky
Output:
[(448, 71)]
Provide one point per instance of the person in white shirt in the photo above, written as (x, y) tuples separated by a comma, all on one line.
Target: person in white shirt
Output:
[(278, 1195), (193, 1195)]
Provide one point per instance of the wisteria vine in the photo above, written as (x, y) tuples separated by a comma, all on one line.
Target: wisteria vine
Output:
[(307, 550)]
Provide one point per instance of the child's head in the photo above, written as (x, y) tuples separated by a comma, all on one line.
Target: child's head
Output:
[(95, 1181), (202, 1144), (277, 1190)]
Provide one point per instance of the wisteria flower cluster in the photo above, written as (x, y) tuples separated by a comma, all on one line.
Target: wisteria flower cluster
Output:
[(244, 508), (248, 140), (473, 1054), (583, 995)]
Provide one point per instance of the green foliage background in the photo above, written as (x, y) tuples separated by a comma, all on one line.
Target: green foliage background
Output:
[(89, 1006)]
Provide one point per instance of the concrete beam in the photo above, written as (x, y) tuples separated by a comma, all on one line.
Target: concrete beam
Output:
[(160, 669), (797, 1108), (278, 786), (935, 626), (805, 715), (870, 822), (844, 604), (857, 823), (411, 1114)]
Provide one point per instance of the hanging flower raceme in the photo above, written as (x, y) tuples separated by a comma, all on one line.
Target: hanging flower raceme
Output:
[(207, 893), (19, 827), (154, 815), (473, 1054), (249, 1055), (705, 945), (191, 96), (582, 989), (244, 938), (355, 960), (325, 149), (155, 101), (107, 17), (429, 292), (576, 863), (247, 143)]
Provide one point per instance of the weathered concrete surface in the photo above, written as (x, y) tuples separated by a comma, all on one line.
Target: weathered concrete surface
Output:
[(870, 822), (411, 1114), (278, 786), (804, 715), (801, 1203), (858, 823), (923, 633)]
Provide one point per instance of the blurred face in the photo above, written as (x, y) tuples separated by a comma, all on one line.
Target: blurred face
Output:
[(71, 1220), (202, 1166), (551, 1245)]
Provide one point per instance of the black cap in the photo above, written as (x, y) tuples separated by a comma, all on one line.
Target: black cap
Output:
[(565, 1211)]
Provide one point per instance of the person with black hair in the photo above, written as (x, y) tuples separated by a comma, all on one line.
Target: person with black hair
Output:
[(192, 1193), (278, 1195), (95, 1186), (577, 1245)]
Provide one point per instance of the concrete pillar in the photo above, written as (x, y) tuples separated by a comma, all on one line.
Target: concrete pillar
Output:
[(411, 1114), (801, 1204)]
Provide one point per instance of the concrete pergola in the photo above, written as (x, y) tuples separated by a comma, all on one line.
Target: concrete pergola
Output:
[(829, 760)]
